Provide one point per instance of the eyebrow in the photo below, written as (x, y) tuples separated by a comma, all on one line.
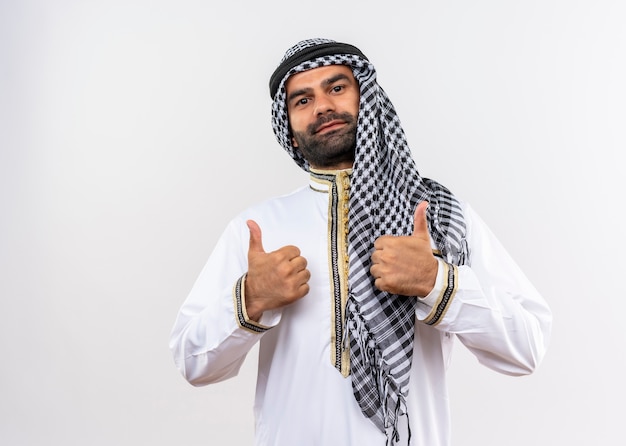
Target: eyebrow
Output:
[(335, 78), (331, 80)]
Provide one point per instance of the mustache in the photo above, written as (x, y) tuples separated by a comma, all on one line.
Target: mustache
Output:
[(346, 117)]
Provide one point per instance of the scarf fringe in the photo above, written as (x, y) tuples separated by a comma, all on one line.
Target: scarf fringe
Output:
[(377, 367)]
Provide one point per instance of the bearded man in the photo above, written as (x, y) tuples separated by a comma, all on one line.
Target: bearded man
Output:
[(355, 285)]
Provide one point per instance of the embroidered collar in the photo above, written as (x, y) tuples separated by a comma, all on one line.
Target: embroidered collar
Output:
[(320, 180)]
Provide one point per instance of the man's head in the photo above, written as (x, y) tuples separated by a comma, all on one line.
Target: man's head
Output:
[(323, 106), (316, 93)]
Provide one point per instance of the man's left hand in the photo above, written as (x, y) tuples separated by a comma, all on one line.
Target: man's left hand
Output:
[(406, 265)]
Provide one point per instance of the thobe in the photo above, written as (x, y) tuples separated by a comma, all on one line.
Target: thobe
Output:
[(301, 398)]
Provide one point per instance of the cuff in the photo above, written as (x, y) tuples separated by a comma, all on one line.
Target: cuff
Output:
[(441, 296), (239, 300)]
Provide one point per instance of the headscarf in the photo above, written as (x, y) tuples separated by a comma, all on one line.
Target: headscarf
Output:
[(384, 192)]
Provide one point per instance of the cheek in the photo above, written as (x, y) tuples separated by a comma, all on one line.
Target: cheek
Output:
[(351, 105), (295, 122), (356, 105)]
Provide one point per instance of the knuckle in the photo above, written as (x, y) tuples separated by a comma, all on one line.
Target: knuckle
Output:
[(293, 251), (284, 269)]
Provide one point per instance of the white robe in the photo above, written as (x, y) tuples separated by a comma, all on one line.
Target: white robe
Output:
[(301, 399)]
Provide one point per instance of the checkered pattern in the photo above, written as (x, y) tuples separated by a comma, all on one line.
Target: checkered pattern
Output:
[(385, 190)]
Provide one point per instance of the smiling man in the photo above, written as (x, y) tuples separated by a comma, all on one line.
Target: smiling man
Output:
[(323, 105), (355, 285)]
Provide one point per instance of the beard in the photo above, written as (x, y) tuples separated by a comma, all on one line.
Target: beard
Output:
[(328, 149)]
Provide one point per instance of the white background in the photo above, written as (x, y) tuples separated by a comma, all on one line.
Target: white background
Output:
[(132, 131)]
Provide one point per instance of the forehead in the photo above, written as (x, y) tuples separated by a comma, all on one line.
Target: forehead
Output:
[(316, 76)]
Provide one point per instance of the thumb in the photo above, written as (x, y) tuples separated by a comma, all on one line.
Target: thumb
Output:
[(256, 242), (420, 225)]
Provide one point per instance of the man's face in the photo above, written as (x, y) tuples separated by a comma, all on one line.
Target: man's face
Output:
[(323, 105)]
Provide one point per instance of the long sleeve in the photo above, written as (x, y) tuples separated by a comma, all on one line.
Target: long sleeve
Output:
[(493, 309), (208, 343)]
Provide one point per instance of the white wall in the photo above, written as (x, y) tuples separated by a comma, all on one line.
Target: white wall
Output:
[(132, 131)]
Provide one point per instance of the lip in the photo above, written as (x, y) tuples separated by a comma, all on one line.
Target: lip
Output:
[(328, 126)]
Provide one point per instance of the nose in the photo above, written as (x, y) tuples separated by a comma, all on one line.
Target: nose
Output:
[(323, 104)]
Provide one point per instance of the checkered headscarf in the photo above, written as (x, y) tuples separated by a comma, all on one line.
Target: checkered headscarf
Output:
[(384, 192)]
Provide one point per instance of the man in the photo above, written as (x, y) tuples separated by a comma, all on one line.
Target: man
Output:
[(355, 285)]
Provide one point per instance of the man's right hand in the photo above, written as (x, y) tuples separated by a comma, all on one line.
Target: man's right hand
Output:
[(274, 279)]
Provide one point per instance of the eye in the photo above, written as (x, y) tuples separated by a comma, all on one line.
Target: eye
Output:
[(299, 102), (337, 88)]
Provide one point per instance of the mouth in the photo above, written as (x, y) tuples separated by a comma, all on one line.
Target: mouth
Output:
[(330, 126)]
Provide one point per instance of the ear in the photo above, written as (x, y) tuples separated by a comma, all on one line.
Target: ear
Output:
[(294, 142)]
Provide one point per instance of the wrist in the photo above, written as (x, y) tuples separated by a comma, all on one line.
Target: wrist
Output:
[(251, 304), (431, 285), (241, 314)]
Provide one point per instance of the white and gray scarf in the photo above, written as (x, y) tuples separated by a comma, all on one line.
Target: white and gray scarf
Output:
[(385, 190)]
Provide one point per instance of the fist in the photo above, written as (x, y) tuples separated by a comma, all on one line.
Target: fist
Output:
[(406, 265), (274, 279)]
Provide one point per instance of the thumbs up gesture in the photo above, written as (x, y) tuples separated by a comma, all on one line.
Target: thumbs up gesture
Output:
[(406, 265), (274, 279)]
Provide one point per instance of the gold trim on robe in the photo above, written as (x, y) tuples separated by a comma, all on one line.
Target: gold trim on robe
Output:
[(337, 184)]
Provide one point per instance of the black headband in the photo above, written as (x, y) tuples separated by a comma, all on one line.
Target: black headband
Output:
[(310, 53)]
